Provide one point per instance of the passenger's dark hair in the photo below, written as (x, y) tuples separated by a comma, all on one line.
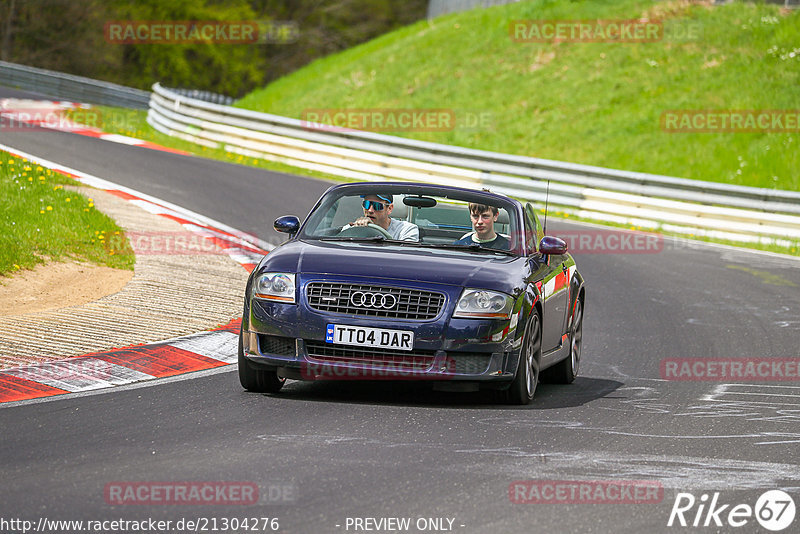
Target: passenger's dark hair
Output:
[(477, 209)]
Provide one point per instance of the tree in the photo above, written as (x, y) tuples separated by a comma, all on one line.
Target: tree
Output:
[(69, 36)]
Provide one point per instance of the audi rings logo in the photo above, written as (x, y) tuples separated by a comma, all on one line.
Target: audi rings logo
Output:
[(363, 299)]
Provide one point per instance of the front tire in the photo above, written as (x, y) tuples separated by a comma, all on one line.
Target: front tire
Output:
[(257, 380), (524, 385)]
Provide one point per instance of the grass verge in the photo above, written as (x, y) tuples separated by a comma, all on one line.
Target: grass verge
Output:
[(42, 220), (597, 103)]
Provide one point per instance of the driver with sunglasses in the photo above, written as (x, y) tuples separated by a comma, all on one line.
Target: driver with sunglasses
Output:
[(377, 209)]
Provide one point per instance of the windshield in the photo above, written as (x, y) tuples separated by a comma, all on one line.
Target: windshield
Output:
[(416, 220)]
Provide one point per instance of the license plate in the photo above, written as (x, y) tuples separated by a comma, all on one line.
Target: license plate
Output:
[(364, 336)]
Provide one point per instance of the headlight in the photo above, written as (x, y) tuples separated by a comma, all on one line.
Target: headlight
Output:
[(480, 303), (275, 286)]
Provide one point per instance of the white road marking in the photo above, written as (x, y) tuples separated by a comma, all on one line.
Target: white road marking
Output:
[(125, 140), (748, 393)]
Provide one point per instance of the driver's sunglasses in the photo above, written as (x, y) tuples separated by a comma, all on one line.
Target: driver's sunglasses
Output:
[(378, 206)]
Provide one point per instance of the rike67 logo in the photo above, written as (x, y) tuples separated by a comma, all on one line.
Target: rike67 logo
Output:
[(774, 510)]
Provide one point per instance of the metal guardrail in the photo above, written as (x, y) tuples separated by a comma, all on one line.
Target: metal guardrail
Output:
[(69, 87), (676, 204), (442, 7)]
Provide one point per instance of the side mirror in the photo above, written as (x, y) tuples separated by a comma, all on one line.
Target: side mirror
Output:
[(552, 245), (288, 224)]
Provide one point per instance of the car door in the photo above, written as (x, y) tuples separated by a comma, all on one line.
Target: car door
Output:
[(552, 271)]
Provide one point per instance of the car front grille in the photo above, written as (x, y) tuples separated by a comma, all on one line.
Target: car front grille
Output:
[(374, 300), (399, 360)]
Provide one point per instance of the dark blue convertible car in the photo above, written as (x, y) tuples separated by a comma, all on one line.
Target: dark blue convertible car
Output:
[(406, 282)]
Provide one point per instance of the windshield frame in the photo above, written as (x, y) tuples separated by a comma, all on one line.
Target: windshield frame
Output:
[(323, 206)]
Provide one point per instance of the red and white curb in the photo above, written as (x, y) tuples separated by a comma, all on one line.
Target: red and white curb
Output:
[(49, 114), (195, 352)]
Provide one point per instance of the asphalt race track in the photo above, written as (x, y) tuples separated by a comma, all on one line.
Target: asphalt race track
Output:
[(321, 453)]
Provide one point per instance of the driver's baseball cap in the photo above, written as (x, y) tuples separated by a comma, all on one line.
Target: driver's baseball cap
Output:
[(388, 198)]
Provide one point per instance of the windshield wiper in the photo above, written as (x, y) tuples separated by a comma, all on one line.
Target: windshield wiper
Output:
[(369, 239)]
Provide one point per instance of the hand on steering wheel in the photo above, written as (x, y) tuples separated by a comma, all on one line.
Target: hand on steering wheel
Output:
[(370, 229)]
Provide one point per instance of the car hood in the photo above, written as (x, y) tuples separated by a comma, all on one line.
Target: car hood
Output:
[(398, 262)]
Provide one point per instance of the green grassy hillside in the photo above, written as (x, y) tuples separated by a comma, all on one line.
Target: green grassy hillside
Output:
[(597, 103), (41, 220)]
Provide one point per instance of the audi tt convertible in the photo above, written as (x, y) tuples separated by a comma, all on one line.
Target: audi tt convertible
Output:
[(403, 281)]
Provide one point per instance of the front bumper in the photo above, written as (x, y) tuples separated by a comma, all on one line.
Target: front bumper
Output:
[(291, 339)]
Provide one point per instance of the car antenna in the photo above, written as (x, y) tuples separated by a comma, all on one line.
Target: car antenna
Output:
[(546, 197)]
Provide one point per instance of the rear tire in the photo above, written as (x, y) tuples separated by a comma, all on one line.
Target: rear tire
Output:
[(257, 380), (524, 385), (565, 371)]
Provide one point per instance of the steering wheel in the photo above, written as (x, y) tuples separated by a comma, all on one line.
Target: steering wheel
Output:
[(369, 230)]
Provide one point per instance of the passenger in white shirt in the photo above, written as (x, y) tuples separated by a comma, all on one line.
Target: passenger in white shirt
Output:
[(377, 209)]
